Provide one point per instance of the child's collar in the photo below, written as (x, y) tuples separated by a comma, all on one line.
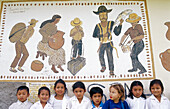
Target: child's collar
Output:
[(101, 104)]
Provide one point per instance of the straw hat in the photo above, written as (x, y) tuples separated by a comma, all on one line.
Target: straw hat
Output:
[(102, 9), (133, 18), (76, 22), (33, 21)]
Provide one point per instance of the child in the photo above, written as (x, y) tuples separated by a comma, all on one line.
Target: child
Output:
[(60, 99), (43, 95), (136, 99), (79, 101), (76, 33), (96, 94), (22, 95), (157, 100), (117, 97)]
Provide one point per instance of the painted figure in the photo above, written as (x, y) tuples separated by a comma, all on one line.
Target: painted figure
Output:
[(103, 32), (20, 46), (48, 30), (77, 34), (136, 34)]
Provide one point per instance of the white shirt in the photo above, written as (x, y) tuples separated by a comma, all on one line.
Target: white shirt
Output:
[(59, 104), (136, 103), (153, 103), (38, 105), (21, 105), (74, 103)]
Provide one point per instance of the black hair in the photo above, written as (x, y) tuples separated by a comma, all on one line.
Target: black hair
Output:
[(43, 88), (23, 88), (135, 83), (50, 21), (62, 82), (95, 90), (156, 81), (78, 84)]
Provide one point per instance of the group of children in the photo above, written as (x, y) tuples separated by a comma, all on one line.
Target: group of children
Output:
[(60, 100)]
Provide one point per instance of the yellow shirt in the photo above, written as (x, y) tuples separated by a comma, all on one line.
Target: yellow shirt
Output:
[(78, 35)]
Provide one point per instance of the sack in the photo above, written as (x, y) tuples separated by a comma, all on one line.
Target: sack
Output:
[(76, 65), (16, 32)]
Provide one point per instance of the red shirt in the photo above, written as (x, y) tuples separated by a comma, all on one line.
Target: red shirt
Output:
[(137, 31)]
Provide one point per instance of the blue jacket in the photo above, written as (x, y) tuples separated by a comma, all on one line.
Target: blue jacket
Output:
[(109, 104)]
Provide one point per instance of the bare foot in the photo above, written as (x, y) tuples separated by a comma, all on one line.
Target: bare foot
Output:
[(53, 69), (59, 66)]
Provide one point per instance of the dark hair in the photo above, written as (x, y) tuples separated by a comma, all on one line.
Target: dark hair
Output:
[(50, 21), (62, 82), (43, 88), (23, 88), (95, 90), (156, 81), (78, 84), (135, 83)]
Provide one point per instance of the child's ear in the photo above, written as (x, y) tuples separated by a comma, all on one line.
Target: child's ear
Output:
[(85, 90), (28, 95)]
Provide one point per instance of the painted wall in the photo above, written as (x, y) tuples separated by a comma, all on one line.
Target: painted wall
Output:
[(158, 11)]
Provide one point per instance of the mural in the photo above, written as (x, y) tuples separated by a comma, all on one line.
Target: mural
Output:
[(89, 41)]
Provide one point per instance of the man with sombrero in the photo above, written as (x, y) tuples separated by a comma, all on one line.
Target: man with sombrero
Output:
[(136, 34), (103, 32), (76, 33)]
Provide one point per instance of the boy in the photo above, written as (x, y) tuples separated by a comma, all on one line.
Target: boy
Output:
[(96, 94), (22, 95), (77, 34)]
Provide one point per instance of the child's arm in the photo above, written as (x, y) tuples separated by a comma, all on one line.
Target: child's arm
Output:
[(69, 105), (106, 105), (11, 106), (126, 105)]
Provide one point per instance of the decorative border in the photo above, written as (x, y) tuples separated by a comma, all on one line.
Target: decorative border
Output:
[(147, 39)]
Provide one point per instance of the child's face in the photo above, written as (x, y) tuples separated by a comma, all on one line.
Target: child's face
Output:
[(44, 96), (137, 91), (156, 90), (22, 95), (59, 89), (97, 98), (114, 95), (79, 92)]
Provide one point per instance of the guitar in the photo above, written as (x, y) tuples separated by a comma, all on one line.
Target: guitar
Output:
[(56, 41)]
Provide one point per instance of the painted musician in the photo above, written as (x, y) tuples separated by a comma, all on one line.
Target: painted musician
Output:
[(103, 32), (136, 34), (56, 57), (21, 50)]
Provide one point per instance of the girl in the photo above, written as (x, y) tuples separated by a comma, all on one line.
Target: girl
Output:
[(79, 101), (117, 97), (43, 95), (136, 99), (157, 100), (60, 99)]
